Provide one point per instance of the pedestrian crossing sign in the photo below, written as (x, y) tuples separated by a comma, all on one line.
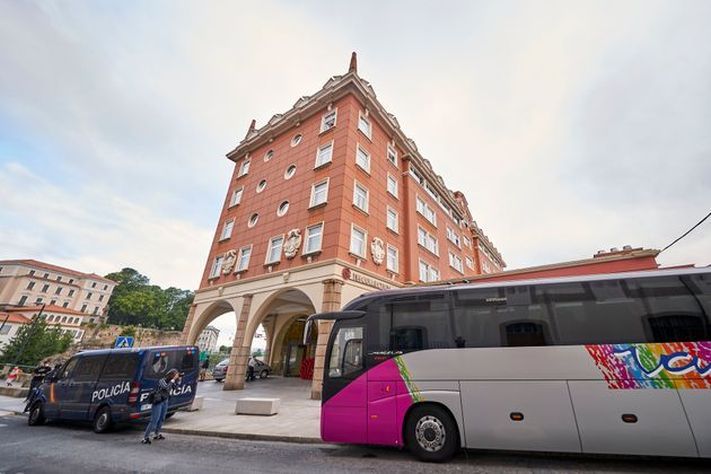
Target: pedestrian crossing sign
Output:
[(123, 342)]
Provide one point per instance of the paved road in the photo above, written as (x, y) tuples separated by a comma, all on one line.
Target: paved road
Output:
[(75, 449)]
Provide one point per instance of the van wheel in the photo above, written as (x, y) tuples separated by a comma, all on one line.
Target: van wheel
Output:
[(263, 374), (102, 420), (36, 417), (431, 434)]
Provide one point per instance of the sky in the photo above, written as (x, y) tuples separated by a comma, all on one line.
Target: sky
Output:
[(581, 125)]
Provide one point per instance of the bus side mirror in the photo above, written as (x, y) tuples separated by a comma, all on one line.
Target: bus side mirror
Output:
[(307, 331)]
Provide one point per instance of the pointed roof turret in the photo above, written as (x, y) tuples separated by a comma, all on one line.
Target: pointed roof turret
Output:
[(353, 66), (252, 128)]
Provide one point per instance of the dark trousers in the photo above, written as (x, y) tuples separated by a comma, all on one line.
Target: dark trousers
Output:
[(250, 373)]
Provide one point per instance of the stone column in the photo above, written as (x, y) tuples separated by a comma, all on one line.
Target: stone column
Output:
[(189, 323), (239, 354), (331, 302), (269, 335)]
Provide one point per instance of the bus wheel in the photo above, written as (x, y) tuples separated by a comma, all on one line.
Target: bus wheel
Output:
[(36, 417), (102, 420), (431, 433)]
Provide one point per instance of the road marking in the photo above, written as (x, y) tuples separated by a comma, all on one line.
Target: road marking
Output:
[(2, 425)]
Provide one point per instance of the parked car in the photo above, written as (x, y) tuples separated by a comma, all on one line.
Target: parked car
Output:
[(219, 373), (112, 385)]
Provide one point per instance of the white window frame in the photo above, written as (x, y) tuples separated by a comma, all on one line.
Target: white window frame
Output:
[(313, 193), (322, 147), (392, 179), (278, 211), (240, 256), (231, 224), (363, 118), (429, 241), (365, 168), (467, 241), (455, 261), (216, 266), (453, 237), (424, 209), (392, 156), (469, 262), (333, 112), (389, 210), (270, 247), (237, 192), (364, 247), (244, 167), (397, 259), (287, 176), (307, 235), (431, 272), (357, 185)]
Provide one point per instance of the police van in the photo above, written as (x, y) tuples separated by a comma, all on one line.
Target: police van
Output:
[(112, 386)]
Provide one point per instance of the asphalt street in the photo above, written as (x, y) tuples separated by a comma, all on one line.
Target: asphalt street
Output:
[(59, 448)]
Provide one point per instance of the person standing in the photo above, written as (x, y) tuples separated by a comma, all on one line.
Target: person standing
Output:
[(12, 376), (38, 376), (250, 368), (159, 408)]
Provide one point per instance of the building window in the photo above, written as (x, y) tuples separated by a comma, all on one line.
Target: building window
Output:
[(392, 185), (58, 291), (46, 275), (45, 288), (364, 125), (32, 272), (236, 196), (470, 262), (38, 300), (360, 197), (243, 168), (297, 139), (455, 261), (66, 303), (290, 172), (23, 300), (274, 251), (426, 211), (88, 296), (392, 220), (253, 220), (319, 193), (93, 284), (52, 302), (427, 240), (101, 297), (328, 121), (96, 310), (453, 237), (324, 154), (467, 241), (71, 293), (428, 273), (216, 267), (283, 208), (243, 258), (268, 155), (106, 287), (30, 285), (359, 238), (362, 159), (59, 278), (314, 236), (392, 262), (227, 229), (392, 155), (83, 309), (71, 280), (261, 186)]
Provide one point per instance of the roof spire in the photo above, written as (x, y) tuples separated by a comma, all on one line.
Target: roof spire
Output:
[(353, 67), (252, 127)]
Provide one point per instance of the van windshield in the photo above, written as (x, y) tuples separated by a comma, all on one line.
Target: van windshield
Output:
[(159, 363)]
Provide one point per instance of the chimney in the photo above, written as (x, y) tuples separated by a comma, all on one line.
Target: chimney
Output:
[(353, 66)]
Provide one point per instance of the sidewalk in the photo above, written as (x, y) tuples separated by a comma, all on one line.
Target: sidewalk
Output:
[(297, 420)]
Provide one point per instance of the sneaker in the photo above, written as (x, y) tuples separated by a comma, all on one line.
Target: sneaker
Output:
[(145, 441), (159, 436)]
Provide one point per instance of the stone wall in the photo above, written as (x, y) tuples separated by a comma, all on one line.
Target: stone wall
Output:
[(103, 337)]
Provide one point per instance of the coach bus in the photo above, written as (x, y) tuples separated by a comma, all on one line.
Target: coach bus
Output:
[(614, 363)]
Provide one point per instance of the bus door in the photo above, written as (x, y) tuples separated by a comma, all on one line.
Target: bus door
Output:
[(344, 409)]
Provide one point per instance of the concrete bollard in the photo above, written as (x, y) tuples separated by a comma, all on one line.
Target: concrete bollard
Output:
[(257, 406)]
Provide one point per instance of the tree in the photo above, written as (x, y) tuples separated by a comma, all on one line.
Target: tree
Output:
[(135, 301), (34, 342)]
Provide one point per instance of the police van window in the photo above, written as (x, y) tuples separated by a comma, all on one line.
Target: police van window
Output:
[(420, 322), (158, 364), (120, 366), (69, 368), (88, 368), (188, 361)]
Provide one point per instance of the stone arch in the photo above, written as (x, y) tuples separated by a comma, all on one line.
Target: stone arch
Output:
[(205, 313)]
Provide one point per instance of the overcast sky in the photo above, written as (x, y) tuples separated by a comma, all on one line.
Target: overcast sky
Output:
[(570, 126)]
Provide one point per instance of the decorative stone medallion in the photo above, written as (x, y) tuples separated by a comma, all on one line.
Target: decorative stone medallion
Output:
[(377, 250), (229, 263), (292, 244)]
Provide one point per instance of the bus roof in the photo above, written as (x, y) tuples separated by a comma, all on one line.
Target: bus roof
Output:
[(416, 290)]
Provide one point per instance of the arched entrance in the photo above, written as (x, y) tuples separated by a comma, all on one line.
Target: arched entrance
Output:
[(204, 315), (290, 357)]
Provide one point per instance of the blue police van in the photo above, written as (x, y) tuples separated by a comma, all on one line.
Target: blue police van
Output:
[(112, 386)]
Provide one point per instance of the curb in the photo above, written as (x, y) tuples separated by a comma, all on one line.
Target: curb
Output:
[(244, 436)]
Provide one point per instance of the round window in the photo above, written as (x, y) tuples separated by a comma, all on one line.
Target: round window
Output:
[(253, 220), (290, 172), (283, 208), (269, 155), (262, 184), (297, 139)]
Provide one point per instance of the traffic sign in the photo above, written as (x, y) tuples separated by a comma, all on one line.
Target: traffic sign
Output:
[(123, 341)]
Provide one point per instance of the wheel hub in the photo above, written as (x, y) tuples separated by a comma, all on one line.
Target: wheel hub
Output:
[(430, 433)]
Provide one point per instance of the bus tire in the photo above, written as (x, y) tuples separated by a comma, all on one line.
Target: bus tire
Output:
[(431, 433), (36, 417), (102, 420)]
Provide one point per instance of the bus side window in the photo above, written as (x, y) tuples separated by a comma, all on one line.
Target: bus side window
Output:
[(524, 334), (420, 322), (673, 312), (346, 352)]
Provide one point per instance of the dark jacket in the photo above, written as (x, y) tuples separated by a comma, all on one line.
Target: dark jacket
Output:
[(162, 391)]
